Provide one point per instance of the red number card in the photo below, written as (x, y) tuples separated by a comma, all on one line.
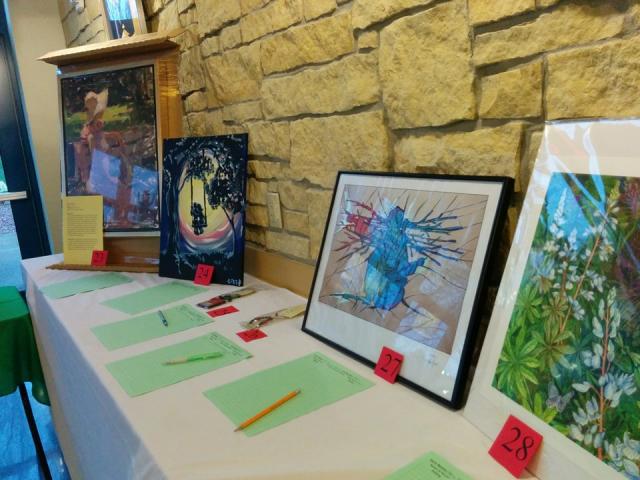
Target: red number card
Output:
[(515, 446), (99, 258), (389, 364), (204, 273), (251, 335), (218, 312)]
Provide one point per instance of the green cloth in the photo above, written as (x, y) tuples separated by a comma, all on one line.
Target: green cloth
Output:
[(19, 360), (321, 381)]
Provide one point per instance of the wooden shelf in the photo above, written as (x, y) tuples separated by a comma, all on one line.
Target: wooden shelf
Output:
[(136, 45)]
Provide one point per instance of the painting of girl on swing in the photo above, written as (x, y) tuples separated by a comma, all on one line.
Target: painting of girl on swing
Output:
[(203, 207)]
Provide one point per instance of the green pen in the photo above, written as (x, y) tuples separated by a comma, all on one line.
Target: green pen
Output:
[(193, 358)]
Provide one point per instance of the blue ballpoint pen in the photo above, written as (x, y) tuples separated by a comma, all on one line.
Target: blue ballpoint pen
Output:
[(163, 318)]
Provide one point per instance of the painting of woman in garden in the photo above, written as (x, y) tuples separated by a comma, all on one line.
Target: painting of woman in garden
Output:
[(572, 349)]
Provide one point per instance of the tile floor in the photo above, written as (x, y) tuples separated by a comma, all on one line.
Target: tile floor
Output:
[(17, 454)]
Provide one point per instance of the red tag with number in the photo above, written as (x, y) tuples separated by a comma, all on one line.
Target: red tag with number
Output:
[(99, 258), (389, 364), (515, 446), (204, 273), (218, 312), (251, 335)]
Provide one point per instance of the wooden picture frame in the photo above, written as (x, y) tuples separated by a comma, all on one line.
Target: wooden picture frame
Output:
[(123, 18)]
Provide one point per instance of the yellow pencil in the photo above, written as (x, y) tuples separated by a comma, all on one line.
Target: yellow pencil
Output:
[(267, 410)]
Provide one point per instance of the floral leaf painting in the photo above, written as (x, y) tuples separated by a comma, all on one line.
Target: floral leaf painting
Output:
[(572, 348)]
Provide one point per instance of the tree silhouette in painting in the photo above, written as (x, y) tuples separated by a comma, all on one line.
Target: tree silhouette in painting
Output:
[(225, 190), (219, 163)]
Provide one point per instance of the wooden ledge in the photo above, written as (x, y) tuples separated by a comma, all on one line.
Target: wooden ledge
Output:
[(137, 44), (278, 270)]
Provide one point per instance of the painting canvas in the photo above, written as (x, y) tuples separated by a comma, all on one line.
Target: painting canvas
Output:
[(401, 264), (203, 207), (563, 349), (572, 350), (124, 18), (110, 144)]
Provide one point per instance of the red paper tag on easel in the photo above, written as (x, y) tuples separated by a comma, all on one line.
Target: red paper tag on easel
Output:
[(515, 446), (99, 258), (251, 335), (204, 273), (389, 364), (218, 312)]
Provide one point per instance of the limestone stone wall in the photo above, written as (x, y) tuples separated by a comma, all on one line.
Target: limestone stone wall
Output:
[(444, 86)]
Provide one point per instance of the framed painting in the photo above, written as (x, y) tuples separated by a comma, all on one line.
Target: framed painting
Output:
[(563, 346), (402, 265), (110, 145), (123, 18), (203, 207)]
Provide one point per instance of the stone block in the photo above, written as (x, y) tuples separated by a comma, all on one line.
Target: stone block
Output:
[(368, 12), (215, 14), (485, 11), (292, 245), (270, 139), (316, 8), (276, 16), (515, 93), (256, 235), (184, 5), (293, 196), (187, 40), (247, 6), (210, 46), (340, 86), (319, 204), (322, 146), (230, 37), (488, 151), (425, 68), (316, 42), (257, 191), (598, 81), (206, 123), (257, 215), (296, 222), (242, 112), (196, 102), (531, 153), (263, 169), (151, 7), (235, 76), (368, 40), (569, 25), (273, 207), (190, 75), (168, 18)]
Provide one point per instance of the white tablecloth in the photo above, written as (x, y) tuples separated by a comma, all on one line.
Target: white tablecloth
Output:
[(176, 433)]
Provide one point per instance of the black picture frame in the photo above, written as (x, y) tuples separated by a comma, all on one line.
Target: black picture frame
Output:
[(346, 326)]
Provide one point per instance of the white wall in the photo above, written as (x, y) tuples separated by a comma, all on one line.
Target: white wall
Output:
[(36, 30)]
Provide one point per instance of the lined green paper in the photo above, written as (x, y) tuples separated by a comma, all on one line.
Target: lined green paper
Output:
[(146, 327), (321, 381), (146, 373), (429, 467), (85, 284), (153, 297)]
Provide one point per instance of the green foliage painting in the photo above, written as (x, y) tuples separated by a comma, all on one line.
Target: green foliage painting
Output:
[(572, 350)]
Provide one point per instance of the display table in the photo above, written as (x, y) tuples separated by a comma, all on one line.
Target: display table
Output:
[(176, 433)]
